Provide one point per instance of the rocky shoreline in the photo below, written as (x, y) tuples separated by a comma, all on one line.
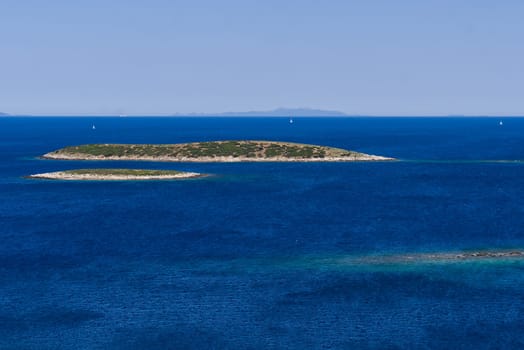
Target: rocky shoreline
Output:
[(228, 159), (64, 175), (436, 257)]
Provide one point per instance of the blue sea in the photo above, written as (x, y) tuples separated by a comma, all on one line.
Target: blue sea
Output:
[(265, 255)]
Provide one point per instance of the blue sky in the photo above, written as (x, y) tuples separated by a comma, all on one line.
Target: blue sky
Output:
[(361, 57)]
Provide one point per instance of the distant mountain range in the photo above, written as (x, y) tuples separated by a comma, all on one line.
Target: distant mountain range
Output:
[(279, 112)]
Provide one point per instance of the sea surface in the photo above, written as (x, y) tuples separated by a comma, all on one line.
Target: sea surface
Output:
[(265, 255)]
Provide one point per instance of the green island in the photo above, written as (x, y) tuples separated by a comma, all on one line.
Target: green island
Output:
[(115, 174), (214, 151)]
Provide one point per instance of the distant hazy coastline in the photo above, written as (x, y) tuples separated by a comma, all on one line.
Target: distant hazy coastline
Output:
[(279, 112)]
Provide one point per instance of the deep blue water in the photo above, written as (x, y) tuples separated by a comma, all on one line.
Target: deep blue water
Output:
[(253, 257)]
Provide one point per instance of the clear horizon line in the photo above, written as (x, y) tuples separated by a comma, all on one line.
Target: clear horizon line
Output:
[(221, 115)]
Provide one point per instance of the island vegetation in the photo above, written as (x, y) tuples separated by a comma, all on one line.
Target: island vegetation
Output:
[(215, 151), (115, 174)]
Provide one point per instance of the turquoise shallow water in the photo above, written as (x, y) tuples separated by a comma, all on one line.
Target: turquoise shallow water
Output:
[(265, 255)]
